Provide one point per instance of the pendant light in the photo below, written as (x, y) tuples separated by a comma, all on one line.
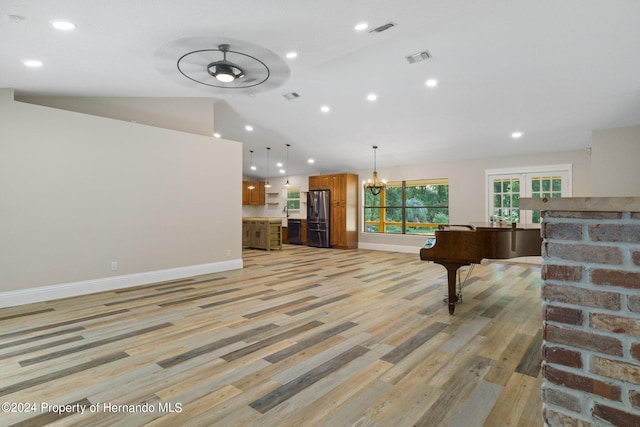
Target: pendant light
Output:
[(373, 184), (252, 166), (251, 186), (287, 184), (266, 184)]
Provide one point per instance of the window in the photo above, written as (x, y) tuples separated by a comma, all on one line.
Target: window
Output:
[(507, 186), (407, 207), (292, 198), (506, 199)]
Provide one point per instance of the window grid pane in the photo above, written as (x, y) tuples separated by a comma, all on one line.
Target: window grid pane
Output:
[(506, 203), (407, 207), (544, 186), (293, 198)]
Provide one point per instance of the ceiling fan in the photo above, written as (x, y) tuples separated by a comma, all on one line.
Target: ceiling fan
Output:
[(221, 64), (225, 71)]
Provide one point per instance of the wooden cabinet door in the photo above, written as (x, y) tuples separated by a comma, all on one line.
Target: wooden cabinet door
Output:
[(338, 188), (261, 193), (254, 196), (261, 234), (245, 192), (313, 182), (337, 231), (338, 213), (319, 182), (246, 233)]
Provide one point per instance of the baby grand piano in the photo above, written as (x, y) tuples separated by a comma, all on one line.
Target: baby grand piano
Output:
[(457, 245)]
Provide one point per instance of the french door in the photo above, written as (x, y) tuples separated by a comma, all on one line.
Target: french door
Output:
[(505, 187)]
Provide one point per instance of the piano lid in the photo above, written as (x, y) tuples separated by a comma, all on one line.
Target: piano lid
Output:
[(473, 243), (503, 225)]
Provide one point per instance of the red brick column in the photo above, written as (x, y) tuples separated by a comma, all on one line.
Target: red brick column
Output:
[(591, 331)]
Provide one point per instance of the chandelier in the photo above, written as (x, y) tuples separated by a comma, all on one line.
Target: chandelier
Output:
[(373, 184)]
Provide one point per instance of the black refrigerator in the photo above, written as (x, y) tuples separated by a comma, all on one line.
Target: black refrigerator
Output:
[(318, 218)]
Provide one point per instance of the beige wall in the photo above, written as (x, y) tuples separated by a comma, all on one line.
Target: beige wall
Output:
[(615, 162), (80, 191), (191, 115), (466, 184), (467, 187)]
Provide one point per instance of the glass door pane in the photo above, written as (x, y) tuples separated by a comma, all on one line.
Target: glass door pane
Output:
[(505, 197), (505, 187), (546, 185)]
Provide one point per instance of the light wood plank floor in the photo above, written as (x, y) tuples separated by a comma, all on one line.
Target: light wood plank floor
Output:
[(299, 337)]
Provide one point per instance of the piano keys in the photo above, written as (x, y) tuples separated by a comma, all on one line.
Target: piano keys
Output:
[(455, 246)]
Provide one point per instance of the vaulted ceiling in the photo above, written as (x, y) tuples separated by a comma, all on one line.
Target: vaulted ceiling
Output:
[(553, 70)]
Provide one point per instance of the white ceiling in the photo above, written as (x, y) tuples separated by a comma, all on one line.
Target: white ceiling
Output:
[(553, 69)]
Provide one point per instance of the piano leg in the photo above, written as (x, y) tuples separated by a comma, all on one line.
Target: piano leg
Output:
[(452, 270)]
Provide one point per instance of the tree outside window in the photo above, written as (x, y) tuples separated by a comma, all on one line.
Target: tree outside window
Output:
[(407, 207), (292, 196)]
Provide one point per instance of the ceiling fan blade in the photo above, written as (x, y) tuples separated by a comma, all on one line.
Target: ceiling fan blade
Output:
[(185, 61)]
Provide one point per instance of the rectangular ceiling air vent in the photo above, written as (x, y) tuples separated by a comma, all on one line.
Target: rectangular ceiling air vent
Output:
[(382, 28), (291, 96), (417, 57)]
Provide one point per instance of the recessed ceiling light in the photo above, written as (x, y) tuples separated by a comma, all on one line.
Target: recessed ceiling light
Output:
[(291, 55), (516, 135), (432, 83), (248, 128), (311, 161), (253, 168), (279, 164), (282, 171), (361, 26), (216, 135), (325, 109), (63, 25), (372, 97), (32, 63)]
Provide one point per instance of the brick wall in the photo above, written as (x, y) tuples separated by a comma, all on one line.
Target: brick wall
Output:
[(591, 303)]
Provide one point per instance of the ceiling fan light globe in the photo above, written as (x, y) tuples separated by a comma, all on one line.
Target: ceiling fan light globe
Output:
[(225, 71), (224, 77)]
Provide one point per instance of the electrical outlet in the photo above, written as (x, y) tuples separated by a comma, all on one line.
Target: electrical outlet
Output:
[(228, 252), (114, 265)]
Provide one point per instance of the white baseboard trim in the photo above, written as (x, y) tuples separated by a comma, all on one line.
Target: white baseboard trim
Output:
[(389, 248), (66, 290)]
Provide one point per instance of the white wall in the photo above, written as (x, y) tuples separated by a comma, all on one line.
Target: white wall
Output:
[(273, 210), (80, 191), (615, 162), (190, 115), (467, 188)]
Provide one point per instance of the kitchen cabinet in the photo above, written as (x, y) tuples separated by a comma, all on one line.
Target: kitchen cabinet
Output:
[(255, 196), (319, 182), (262, 233), (343, 227)]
